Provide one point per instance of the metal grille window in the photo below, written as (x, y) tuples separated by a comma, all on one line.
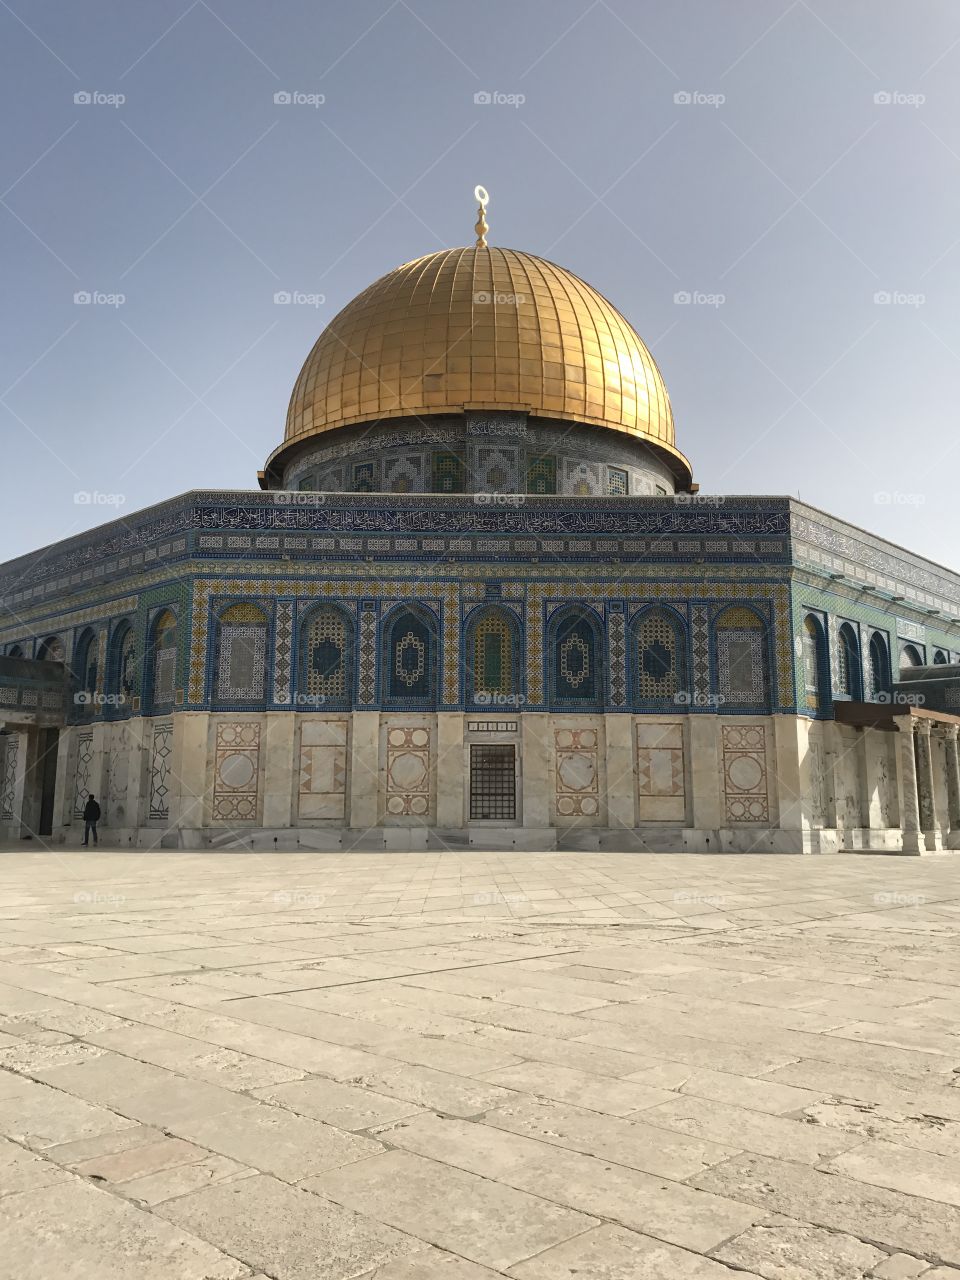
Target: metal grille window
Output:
[(493, 782)]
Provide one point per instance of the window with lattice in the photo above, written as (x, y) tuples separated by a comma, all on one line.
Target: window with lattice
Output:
[(659, 659), (492, 656), (616, 482), (741, 657), (165, 658), (242, 658), (813, 663), (848, 662), (326, 656), (542, 476)]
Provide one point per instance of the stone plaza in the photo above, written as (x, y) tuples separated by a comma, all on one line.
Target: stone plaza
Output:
[(464, 1066)]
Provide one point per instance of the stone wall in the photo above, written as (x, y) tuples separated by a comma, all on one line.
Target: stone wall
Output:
[(404, 780)]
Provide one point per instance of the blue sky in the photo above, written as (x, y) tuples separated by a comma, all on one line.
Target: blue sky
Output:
[(793, 167)]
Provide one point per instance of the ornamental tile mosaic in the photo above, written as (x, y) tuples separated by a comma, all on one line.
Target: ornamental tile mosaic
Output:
[(322, 790), (236, 772), (161, 764), (282, 651), (577, 773), (745, 773), (241, 663), (403, 475), (408, 773), (367, 673), (617, 650)]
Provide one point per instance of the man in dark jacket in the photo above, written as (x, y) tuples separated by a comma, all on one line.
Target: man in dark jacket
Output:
[(91, 816)]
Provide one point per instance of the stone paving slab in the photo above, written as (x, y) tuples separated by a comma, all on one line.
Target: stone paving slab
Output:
[(466, 1066)]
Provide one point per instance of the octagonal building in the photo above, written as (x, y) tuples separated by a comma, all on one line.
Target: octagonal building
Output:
[(477, 600)]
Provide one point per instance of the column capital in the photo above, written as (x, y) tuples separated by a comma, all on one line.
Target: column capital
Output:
[(921, 727), (949, 731)]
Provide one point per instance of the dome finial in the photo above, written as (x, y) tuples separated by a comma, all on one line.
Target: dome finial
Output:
[(481, 227)]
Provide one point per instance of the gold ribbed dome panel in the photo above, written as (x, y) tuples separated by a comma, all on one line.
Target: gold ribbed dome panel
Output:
[(480, 328)]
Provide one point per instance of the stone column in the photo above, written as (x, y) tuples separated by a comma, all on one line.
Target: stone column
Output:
[(451, 769), (281, 769), (913, 841), (535, 730), (621, 783), (929, 823), (706, 776), (364, 769), (950, 732)]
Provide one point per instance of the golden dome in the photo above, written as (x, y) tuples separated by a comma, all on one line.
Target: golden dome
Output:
[(482, 328)]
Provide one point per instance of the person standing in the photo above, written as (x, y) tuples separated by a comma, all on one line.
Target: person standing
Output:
[(91, 816)]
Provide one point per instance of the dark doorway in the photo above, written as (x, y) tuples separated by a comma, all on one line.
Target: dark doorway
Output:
[(47, 774)]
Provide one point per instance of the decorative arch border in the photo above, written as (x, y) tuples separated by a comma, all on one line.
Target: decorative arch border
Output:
[(304, 619), (596, 620), (678, 618), (431, 619), (472, 614), (762, 613)]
